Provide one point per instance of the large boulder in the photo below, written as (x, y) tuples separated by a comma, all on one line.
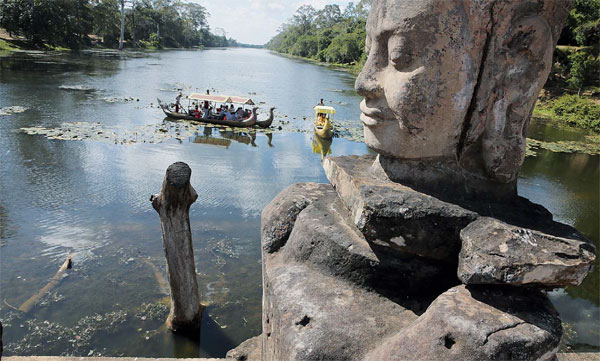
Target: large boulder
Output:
[(308, 315), (394, 215), (475, 323), (494, 252), (278, 217), (325, 238), (328, 294)]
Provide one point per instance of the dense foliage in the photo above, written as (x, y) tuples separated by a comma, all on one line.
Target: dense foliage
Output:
[(571, 109), (572, 92), (148, 23), (328, 35), (576, 60)]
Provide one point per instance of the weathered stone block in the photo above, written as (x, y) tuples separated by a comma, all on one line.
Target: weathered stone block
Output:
[(279, 215), (497, 253), (391, 214), (308, 315), (325, 238), (479, 323)]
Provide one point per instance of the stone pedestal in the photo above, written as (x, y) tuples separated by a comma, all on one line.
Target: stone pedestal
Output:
[(368, 269)]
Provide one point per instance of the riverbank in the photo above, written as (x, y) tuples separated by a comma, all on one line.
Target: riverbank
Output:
[(580, 111), (350, 68)]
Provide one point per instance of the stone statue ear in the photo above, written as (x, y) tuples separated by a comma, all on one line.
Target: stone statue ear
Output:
[(522, 59)]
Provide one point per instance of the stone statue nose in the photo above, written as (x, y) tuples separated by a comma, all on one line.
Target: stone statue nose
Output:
[(366, 83)]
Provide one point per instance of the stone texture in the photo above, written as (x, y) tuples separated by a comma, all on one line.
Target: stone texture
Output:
[(393, 215), (456, 81), (308, 315), (279, 215), (249, 350), (497, 253), (330, 294), (479, 323), (325, 238)]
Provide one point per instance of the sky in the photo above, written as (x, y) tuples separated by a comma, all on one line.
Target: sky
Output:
[(255, 21)]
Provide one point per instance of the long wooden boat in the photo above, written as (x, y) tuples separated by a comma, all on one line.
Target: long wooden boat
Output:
[(244, 123), (267, 122)]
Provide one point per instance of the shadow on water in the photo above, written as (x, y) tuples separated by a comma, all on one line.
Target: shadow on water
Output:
[(210, 341)]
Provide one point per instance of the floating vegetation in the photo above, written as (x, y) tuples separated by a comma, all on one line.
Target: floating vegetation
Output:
[(12, 110), (591, 146), (77, 87), (45, 337), (152, 133), (120, 99), (157, 311)]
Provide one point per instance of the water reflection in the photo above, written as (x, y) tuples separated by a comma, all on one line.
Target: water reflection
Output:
[(568, 185), (240, 137), (321, 145)]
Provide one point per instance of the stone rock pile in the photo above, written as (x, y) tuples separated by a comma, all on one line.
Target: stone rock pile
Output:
[(368, 269)]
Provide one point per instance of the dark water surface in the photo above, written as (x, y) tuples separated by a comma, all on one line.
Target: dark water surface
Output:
[(91, 199)]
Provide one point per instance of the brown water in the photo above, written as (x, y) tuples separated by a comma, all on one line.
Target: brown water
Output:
[(90, 198)]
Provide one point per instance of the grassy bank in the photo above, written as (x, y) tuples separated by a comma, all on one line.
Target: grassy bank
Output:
[(6, 46), (570, 109)]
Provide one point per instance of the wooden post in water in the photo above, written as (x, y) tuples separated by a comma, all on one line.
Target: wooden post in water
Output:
[(173, 206)]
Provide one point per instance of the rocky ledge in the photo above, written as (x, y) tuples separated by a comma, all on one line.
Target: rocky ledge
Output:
[(494, 252), (368, 269)]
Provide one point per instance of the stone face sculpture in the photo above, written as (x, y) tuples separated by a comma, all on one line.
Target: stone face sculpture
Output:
[(450, 86), (370, 266)]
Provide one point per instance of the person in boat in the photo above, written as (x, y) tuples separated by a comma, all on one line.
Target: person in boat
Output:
[(196, 112), (178, 102), (321, 119), (321, 102), (220, 112), (206, 110), (239, 113), (230, 116)]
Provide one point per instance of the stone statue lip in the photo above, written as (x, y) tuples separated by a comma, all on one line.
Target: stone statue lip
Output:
[(370, 116)]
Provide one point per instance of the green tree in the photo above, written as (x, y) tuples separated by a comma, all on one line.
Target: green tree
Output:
[(304, 18)]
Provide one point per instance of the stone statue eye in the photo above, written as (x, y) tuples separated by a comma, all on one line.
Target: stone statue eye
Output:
[(400, 58), (399, 53)]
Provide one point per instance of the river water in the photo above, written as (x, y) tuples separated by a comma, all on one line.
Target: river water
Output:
[(90, 198)]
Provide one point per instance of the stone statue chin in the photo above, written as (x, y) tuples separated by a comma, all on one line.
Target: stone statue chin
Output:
[(449, 87)]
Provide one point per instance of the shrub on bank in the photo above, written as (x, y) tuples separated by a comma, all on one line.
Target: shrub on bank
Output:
[(571, 109)]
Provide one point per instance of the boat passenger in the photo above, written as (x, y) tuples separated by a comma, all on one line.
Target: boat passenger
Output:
[(239, 113), (230, 116), (196, 112), (321, 102), (206, 110), (178, 102)]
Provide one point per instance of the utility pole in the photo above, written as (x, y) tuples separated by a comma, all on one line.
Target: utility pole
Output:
[(122, 25)]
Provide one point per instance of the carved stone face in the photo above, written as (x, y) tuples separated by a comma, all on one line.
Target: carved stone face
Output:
[(456, 81), (418, 78)]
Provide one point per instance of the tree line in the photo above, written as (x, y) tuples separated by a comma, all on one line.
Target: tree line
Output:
[(572, 92), (329, 35), (81, 23), (576, 59)]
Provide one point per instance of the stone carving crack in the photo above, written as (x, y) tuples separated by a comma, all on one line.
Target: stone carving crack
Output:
[(472, 105), (508, 327)]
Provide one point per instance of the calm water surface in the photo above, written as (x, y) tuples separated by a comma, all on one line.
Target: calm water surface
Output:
[(91, 199)]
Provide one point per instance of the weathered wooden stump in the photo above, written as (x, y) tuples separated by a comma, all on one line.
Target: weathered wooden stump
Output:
[(173, 206)]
